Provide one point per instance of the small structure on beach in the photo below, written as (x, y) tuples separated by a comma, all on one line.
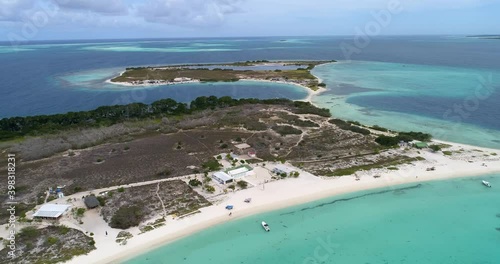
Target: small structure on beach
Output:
[(222, 177), (91, 202), (51, 211), (240, 171), (420, 145), (283, 169), (182, 79)]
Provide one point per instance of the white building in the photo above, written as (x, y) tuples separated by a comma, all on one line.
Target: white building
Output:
[(280, 169), (182, 79), (52, 211), (239, 172), (222, 177)]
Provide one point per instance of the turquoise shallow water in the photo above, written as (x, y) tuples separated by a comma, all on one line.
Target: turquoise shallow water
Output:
[(441, 222), (458, 104)]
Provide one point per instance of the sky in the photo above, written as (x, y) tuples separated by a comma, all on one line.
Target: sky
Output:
[(24, 20)]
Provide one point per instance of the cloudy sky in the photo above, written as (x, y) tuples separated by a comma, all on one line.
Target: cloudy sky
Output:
[(97, 19)]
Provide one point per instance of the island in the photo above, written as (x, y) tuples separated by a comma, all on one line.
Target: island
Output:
[(116, 181), (485, 36), (290, 72)]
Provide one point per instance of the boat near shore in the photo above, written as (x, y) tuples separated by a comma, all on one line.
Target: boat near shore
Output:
[(266, 226), (487, 184)]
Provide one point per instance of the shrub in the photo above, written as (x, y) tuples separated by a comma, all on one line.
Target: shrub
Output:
[(102, 200), (409, 136), (379, 128), (29, 233), (121, 189), (435, 148), (126, 217), (80, 212), (387, 141), (52, 240), (210, 188), (242, 184), (286, 130), (194, 182), (211, 165), (348, 126)]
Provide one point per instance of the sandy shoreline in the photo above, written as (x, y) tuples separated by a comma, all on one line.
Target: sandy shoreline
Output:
[(291, 192)]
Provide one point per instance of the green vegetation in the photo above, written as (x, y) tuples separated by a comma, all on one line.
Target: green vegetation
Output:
[(447, 153), (18, 127), (389, 164), (169, 73), (210, 188), (121, 189), (308, 108), (80, 212), (102, 200), (435, 148), (212, 165), (286, 130), (348, 126), (242, 184), (126, 217), (379, 128), (194, 182), (52, 244), (52, 240), (389, 141), (29, 232)]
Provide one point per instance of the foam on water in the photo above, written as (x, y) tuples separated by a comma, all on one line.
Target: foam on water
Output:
[(436, 222), (13, 49), (117, 48)]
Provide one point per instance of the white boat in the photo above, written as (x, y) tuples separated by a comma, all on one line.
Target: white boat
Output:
[(265, 226), (487, 184)]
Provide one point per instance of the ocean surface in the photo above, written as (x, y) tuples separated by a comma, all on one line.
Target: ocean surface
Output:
[(446, 85), (440, 222)]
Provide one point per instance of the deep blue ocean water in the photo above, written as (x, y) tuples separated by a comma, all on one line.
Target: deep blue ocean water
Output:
[(56, 77)]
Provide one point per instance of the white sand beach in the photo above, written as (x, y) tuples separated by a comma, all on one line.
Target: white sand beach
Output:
[(466, 161)]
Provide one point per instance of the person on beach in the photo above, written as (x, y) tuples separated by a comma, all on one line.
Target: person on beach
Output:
[(106, 233), (230, 213)]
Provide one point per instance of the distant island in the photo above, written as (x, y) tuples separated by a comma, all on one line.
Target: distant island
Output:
[(291, 72), (485, 36)]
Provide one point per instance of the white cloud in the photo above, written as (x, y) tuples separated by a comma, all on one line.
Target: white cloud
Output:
[(13, 10), (109, 7), (188, 12)]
